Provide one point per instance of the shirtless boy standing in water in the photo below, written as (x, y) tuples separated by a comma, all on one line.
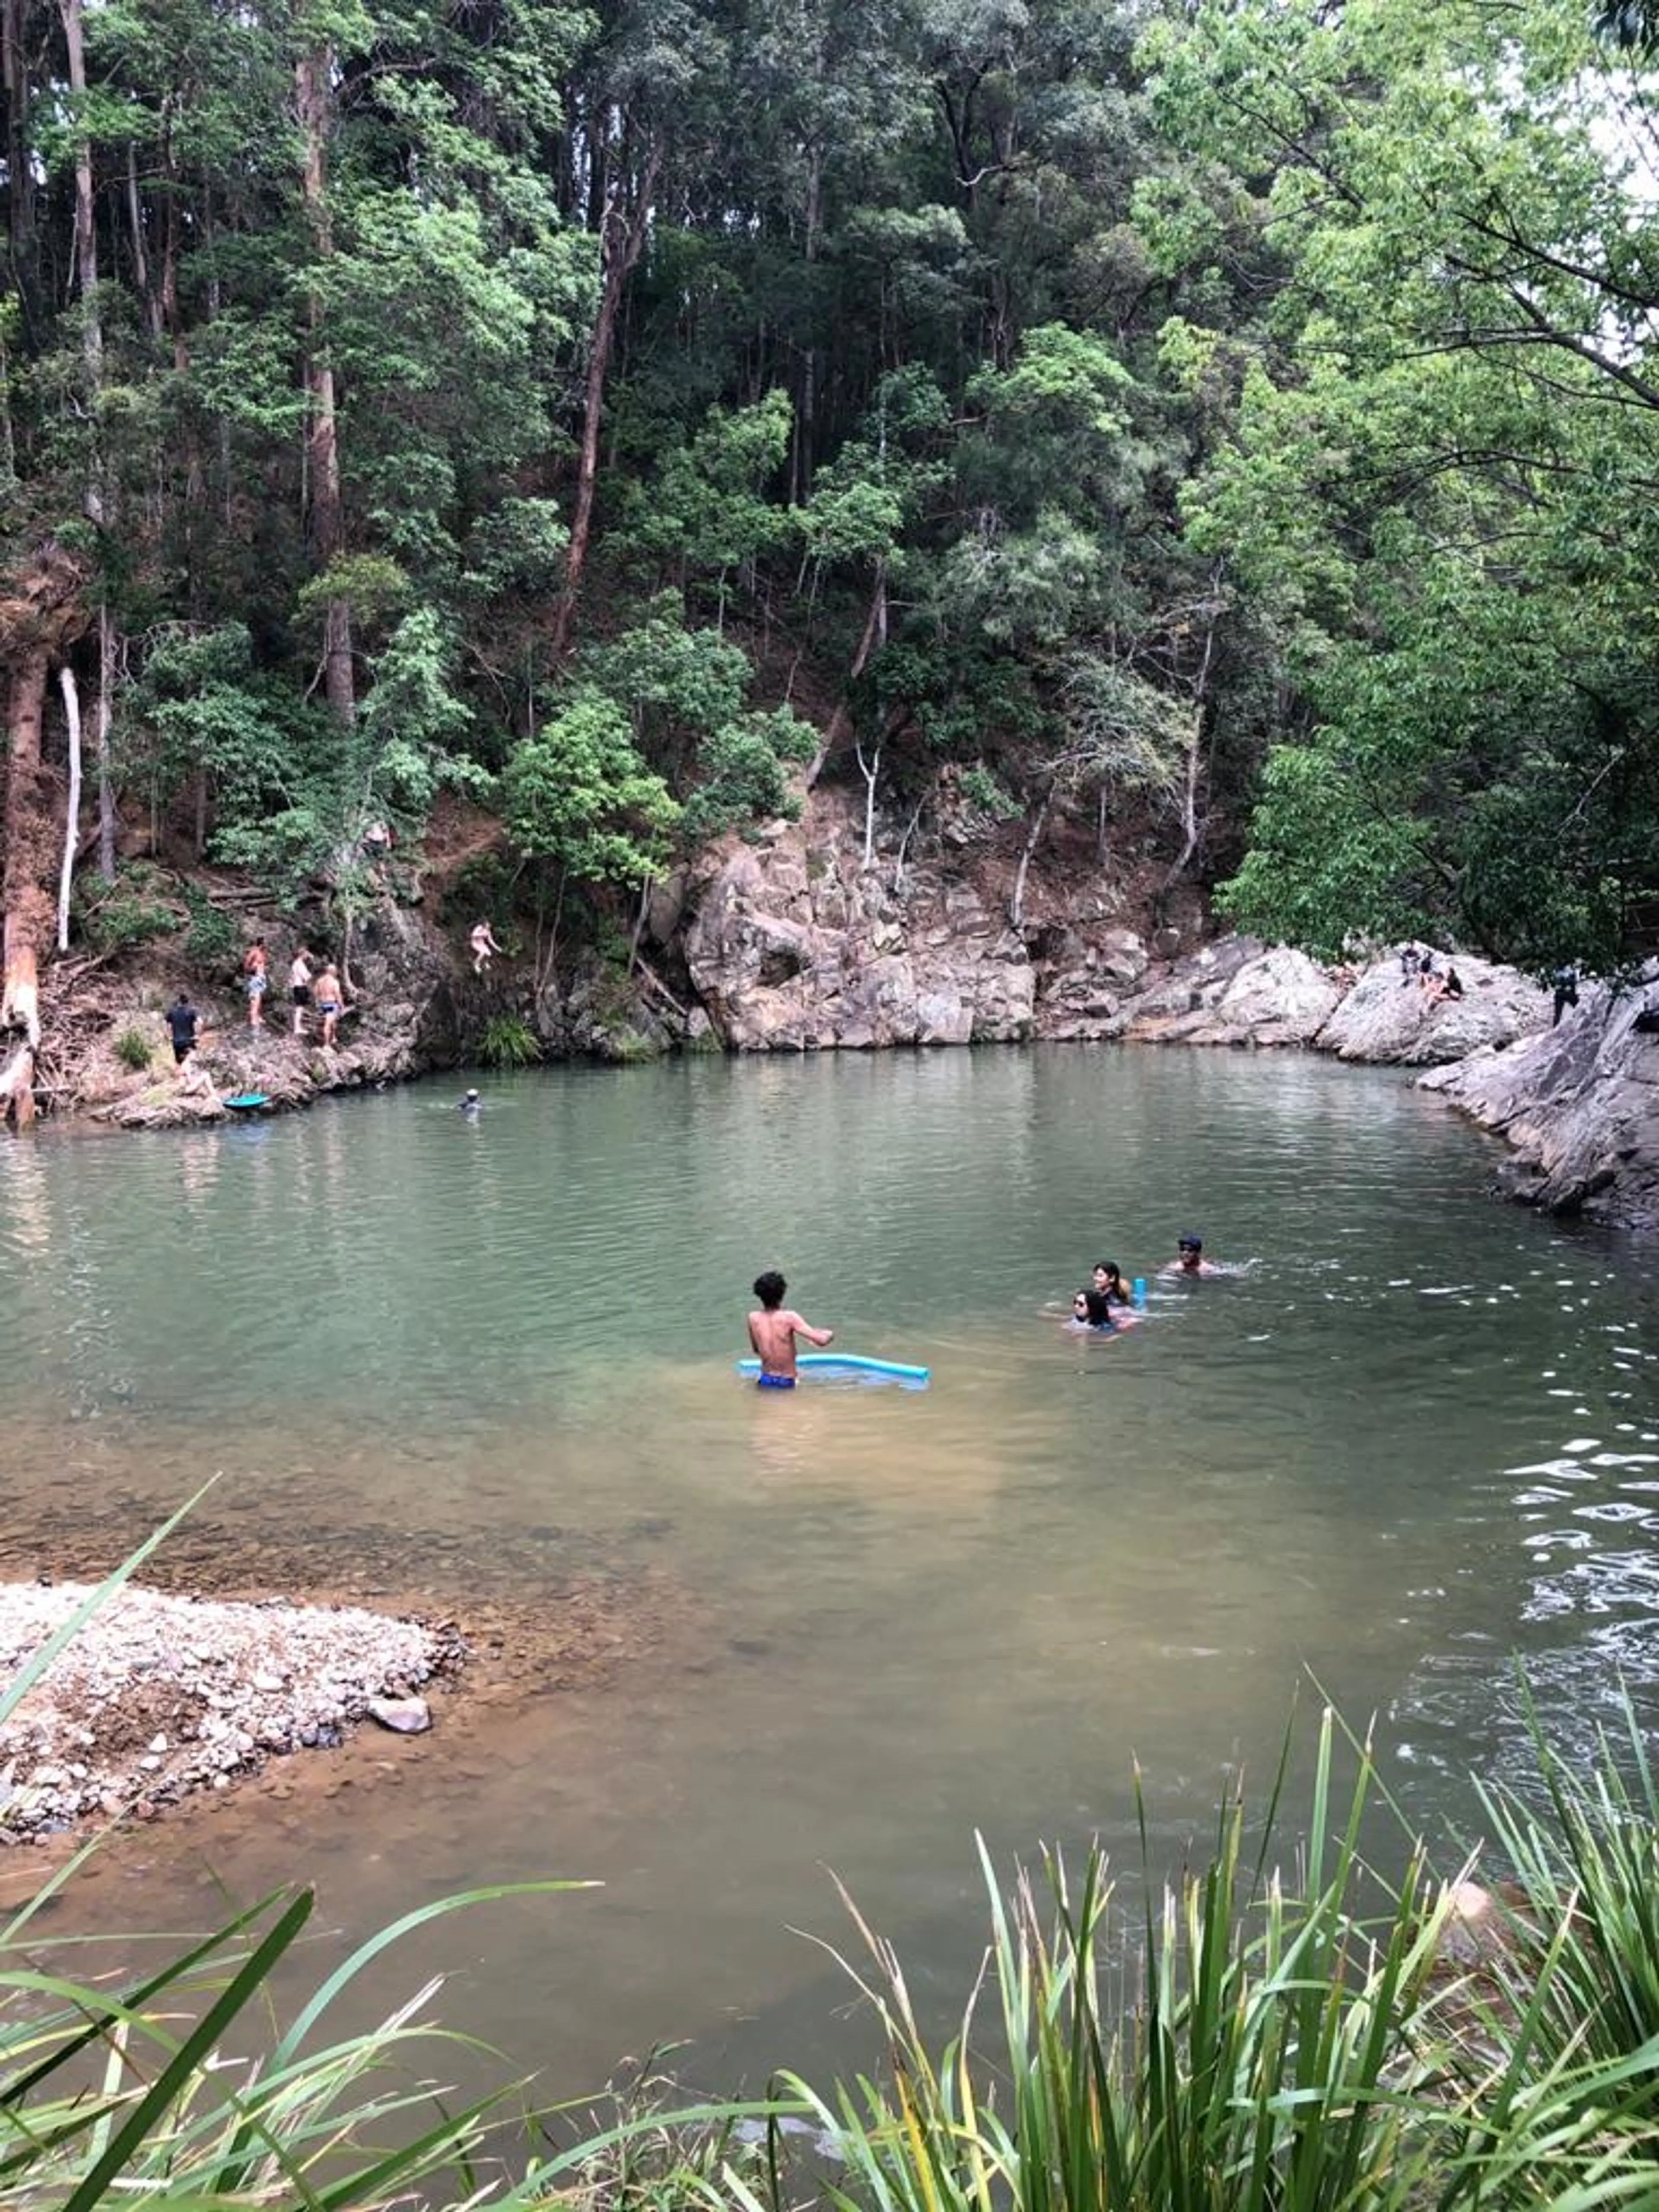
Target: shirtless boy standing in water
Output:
[(773, 1330)]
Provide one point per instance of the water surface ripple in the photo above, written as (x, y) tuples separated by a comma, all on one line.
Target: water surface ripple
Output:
[(1417, 1434)]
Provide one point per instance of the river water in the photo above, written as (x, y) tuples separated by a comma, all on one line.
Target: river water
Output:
[(1416, 1435)]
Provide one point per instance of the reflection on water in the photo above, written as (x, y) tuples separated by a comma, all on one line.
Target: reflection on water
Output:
[(1417, 1434)]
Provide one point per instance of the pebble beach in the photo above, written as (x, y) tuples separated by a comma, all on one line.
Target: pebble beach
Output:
[(160, 1696)]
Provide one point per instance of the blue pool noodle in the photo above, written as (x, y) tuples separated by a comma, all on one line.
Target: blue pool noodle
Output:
[(851, 1360)]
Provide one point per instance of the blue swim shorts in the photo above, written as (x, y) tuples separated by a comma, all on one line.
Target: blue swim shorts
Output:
[(775, 1382)]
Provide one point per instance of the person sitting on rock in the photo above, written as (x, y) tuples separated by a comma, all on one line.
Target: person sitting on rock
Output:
[(1449, 985)]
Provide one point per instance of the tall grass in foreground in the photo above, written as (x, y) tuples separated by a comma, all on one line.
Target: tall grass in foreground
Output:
[(1279, 2045)]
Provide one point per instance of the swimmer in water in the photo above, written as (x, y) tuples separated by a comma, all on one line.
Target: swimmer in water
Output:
[(471, 1104), (1108, 1281), (1189, 1258), (773, 1329), (1093, 1310)]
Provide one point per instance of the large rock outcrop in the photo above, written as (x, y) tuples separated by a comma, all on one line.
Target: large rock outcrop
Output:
[(1580, 1105), (1236, 993), (1385, 1018), (794, 947)]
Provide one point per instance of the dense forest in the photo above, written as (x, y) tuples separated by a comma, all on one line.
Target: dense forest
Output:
[(1242, 418)]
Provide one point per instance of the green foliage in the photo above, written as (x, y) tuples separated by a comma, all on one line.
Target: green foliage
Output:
[(1290, 2039), (137, 907), (687, 693), (580, 796), (710, 506), (211, 941), (132, 1049), (1435, 481), (982, 791), (507, 1041), (1294, 369)]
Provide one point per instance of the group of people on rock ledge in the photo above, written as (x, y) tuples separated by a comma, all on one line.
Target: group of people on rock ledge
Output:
[(1420, 964), (311, 989), (316, 989)]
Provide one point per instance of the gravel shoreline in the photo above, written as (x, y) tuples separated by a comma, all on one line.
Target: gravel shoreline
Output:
[(161, 1696)]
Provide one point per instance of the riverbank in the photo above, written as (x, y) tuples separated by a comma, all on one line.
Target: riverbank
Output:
[(158, 1697), (1578, 1106)]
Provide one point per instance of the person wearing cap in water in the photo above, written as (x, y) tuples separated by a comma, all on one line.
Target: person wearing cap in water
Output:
[(471, 1104), (1189, 1258)]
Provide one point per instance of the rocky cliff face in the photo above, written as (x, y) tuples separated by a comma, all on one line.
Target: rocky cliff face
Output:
[(1580, 1105), (792, 946)]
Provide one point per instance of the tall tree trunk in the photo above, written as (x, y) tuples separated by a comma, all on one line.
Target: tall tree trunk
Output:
[(100, 742), (315, 87), (20, 170), (1017, 903), (85, 257), (623, 232), (29, 846), (800, 488), (870, 769), (840, 722), (141, 272), (1195, 760)]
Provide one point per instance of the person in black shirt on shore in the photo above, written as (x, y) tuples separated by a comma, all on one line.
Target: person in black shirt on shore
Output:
[(182, 1019)]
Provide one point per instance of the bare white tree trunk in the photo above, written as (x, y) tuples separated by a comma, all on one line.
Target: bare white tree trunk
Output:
[(870, 769), (1017, 905), (71, 693)]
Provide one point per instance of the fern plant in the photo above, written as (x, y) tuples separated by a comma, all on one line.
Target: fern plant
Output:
[(508, 1041)]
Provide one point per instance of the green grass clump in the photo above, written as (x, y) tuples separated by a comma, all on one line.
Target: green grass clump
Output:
[(508, 1042), (1262, 2042), (133, 1049)]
